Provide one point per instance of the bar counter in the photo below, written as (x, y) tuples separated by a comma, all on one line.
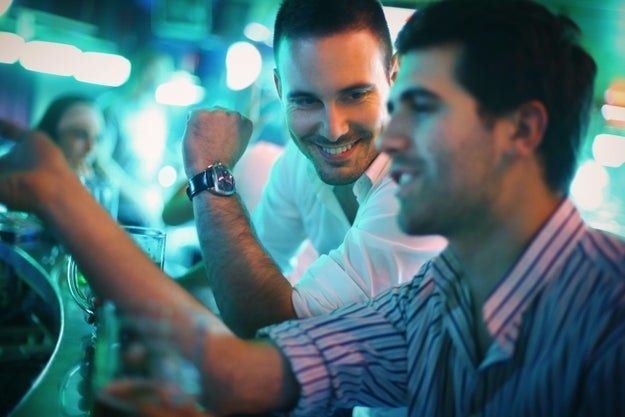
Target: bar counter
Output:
[(54, 393)]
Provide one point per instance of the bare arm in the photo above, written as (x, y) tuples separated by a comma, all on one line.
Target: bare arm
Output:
[(237, 376), (250, 290)]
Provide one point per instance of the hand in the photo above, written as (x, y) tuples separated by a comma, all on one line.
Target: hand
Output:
[(141, 398), (214, 135), (32, 171)]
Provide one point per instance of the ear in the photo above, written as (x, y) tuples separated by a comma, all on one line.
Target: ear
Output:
[(277, 83), (529, 125), (394, 68)]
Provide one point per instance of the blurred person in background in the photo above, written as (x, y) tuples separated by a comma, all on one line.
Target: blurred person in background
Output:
[(76, 124)]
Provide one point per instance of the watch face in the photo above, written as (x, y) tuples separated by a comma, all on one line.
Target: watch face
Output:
[(224, 181)]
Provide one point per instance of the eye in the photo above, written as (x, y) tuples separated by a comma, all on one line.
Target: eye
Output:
[(355, 95), (421, 105), (420, 102), (303, 101), (81, 134)]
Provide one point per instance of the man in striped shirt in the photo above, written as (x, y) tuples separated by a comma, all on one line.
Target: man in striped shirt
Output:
[(522, 315)]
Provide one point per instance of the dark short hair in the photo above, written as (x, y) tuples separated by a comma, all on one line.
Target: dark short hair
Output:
[(49, 122), (512, 52), (319, 18)]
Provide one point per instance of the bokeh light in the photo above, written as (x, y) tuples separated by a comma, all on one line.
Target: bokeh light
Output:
[(243, 65)]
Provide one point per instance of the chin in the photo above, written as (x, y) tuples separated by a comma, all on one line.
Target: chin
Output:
[(338, 178), (409, 224)]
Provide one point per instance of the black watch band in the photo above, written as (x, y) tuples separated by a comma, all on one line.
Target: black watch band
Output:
[(216, 179)]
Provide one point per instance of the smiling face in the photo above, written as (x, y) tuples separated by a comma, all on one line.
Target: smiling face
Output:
[(334, 91), (448, 162)]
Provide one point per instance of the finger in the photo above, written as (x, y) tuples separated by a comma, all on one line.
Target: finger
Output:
[(161, 410)]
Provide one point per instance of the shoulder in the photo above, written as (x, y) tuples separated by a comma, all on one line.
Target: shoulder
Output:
[(605, 251)]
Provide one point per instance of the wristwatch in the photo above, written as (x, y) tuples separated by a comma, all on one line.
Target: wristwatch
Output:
[(216, 178)]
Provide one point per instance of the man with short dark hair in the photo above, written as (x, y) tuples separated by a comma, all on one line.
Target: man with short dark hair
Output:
[(334, 67)]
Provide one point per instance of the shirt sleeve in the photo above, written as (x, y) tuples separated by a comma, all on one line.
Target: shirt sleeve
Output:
[(604, 387), (354, 356), (276, 216), (374, 256)]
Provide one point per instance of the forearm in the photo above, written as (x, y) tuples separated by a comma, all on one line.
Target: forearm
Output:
[(116, 268), (250, 377), (250, 290), (35, 177), (237, 376)]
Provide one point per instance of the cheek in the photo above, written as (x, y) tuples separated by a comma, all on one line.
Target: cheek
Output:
[(301, 123), (374, 117), (75, 148)]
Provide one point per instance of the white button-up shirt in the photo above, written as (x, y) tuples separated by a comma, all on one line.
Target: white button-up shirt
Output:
[(356, 261)]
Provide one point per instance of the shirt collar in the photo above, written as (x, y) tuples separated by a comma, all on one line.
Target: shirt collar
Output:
[(504, 308), (373, 175)]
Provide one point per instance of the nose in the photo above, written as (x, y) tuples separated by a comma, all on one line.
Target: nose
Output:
[(391, 140), (335, 123), (89, 144)]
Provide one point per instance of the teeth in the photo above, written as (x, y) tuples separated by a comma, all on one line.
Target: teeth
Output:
[(336, 151)]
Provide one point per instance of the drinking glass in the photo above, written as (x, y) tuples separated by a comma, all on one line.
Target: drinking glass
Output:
[(150, 240), (77, 391), (136, 357)]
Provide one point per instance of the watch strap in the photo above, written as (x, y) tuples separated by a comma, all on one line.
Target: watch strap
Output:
[(216, 179), (198, 183)]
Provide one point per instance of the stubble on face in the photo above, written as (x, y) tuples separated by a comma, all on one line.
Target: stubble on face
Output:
[(343, 170), (446, 165), (344, 91)]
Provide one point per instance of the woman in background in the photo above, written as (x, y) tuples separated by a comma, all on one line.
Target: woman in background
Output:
[(75, 123)]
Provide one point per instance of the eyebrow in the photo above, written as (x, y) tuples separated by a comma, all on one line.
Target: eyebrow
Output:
[(410, 95), (417, 92), (362, 87)]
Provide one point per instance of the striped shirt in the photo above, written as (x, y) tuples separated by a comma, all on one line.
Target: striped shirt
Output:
[(557, 320)]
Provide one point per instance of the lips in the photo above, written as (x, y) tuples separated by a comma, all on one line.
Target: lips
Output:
[(337, 153)]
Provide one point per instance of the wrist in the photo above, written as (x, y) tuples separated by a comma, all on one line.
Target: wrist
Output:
[(216, 179)]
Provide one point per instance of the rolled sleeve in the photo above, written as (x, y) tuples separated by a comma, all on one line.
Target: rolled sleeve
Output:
[(307, 364)]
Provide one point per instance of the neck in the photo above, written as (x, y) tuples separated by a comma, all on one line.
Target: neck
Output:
[(493, 245), (347, 200)]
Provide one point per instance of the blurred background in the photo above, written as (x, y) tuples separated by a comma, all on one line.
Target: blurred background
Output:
[(219, 52)]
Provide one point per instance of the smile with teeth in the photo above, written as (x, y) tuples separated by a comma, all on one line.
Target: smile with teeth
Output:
[(339, 150)]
